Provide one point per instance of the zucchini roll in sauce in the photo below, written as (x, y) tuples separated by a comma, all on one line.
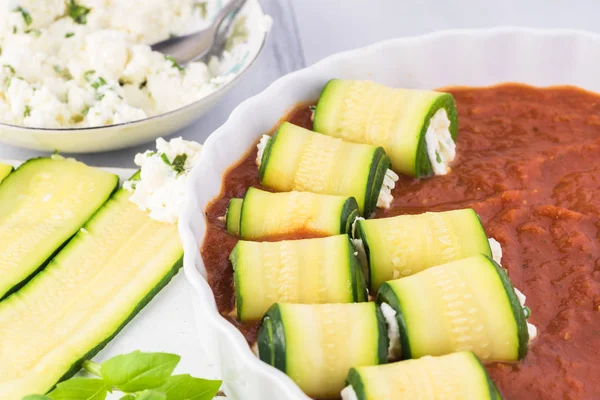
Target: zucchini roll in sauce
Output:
[(322, 270), (454, 376), (468, 304), (266, 215), (299, 159), (417, 128), (316, 345), (404, 245)]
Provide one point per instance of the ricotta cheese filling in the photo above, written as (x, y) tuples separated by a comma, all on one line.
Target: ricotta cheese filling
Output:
[(83, 63), (348, 393), (441, 149), (394, 347), (161, 188), (496, 250), (385, 195), (262, 144)]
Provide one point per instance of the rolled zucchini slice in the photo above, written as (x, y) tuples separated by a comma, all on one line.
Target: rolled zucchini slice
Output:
[(316, 271), (299, 159), (468, 304), (453, 376), (266, 215), (417, 128), (406, 244), (316, 345), (5, 169)]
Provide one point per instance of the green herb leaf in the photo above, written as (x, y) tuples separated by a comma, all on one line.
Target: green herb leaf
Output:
[(150, 395), (143, 84), (69, 34), (27, 112), (80, 389), (26, 16), (14, 29), (98, 82), (63, 72), (10, 68), (128, 397), (174, 63), (78, 13), (34, 32), (312, 108), (438, 158), (87, 75), (202, 7), (186, 387), (85, 111), (164, 157), (36, 397), (527, 312), (179, 163), (138, 371)]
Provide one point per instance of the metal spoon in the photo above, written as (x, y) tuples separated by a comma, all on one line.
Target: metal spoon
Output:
[(199, 44)]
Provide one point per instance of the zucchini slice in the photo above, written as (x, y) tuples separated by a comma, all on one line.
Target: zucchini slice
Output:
[(299, 159), (316, 345), (322, 270), (43, 204), (5, 169), (417, 128), (96, 284), (468, 304), (265, 215), (453, 376), (406, 244), (232, 218)]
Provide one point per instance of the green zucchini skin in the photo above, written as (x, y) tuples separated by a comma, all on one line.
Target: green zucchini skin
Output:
[(5, 170), (387, 295), (381, 163), (355, 380), (359, 286), (516, 307), (359, 234), (423, 163), (233, 215), (348, 216), (384, 342), (271, 339), (239, 299), (266, 154)]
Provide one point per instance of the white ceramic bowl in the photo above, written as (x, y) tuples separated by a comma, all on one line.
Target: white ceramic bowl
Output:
[(119, 136), (473, 58)]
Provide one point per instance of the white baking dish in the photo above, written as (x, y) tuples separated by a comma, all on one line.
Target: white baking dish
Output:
[(473, 58)]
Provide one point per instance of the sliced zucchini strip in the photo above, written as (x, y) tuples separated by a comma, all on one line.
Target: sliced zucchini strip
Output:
[(299, 159), (322, 270), (454, 376), (316, 345), (5, 169), (417, 128), (96, 284), (265, 215), (468, 304), (406, 244), (42, 205), (232, 218)]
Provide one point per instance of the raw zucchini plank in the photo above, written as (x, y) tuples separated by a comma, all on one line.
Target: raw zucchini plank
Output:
[(108, 272), (316, 344), (299, 159), (399, 120), (468, 304), (5, 169), (43, 203), (454, 376), (323, 270), (406, 244)]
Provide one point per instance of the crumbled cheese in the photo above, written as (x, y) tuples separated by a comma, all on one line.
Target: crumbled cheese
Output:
[(348, 393), (56, 72), (496, 250), (394, 347), (262, 144), (530, 327), (441, 149), (161, 187), (385, 195)]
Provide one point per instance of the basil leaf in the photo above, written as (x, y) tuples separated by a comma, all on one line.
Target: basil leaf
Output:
[(87, 75), (27, 112), (137, 371), (36, 397), (179, 163), (80, 389), (166, 160), (98, 82), (150, 395), (186, 387), (78, 13), (26, 16), (174, 63), (69, 34)]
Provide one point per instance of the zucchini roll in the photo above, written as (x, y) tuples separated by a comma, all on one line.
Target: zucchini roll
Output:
[(468, 304), (299, 159), (316, 345), (404, 245), (323, 270), (453, 376), (263, 215), (417, 128)]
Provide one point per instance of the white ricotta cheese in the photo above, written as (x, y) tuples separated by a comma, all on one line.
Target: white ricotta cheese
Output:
[(530, 327), (61, 72), (441, 149), (261, 148), (385, 194), (348, 393), (163, 174), (496, 250), (394, 347)]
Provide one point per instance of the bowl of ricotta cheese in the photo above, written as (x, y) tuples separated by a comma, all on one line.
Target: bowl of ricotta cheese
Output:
[(79, 75)]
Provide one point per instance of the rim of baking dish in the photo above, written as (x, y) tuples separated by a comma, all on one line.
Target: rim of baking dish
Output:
[(193, 264), (193, 104)]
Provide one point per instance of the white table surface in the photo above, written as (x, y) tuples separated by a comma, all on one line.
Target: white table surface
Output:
[(305, 31)]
